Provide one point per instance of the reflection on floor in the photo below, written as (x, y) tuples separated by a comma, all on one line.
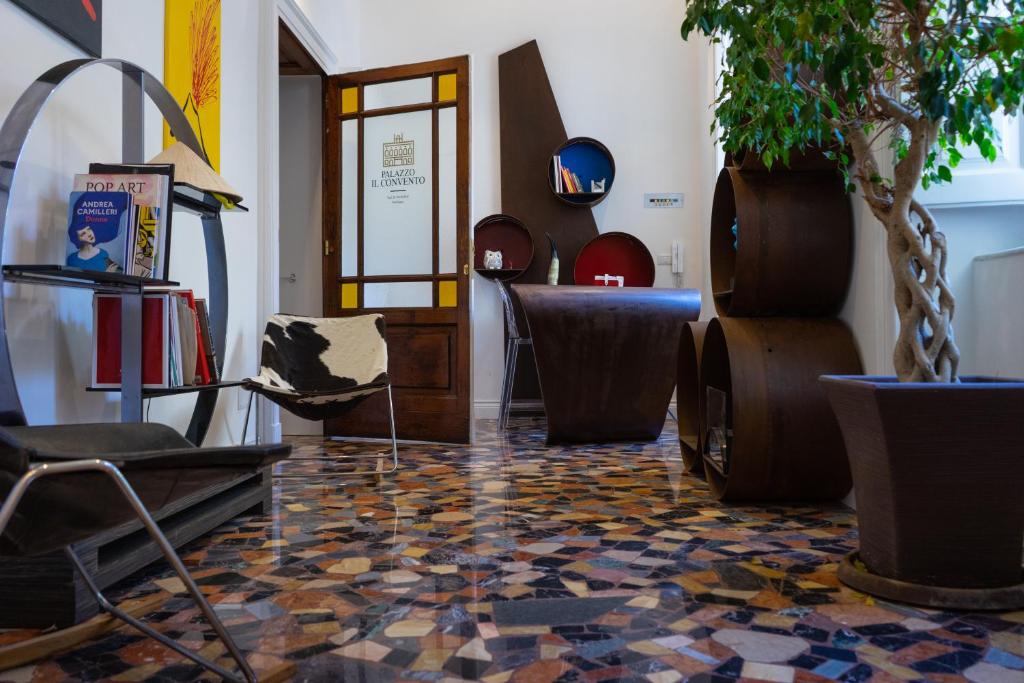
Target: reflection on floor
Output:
[(512, 561)]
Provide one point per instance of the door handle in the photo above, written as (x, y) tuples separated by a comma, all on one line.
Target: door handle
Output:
[(465, 269)]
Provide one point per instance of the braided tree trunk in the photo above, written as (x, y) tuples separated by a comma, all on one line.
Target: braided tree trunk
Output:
[(925, 349)]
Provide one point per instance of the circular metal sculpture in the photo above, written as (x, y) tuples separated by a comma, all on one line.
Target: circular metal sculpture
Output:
[(14, 133)]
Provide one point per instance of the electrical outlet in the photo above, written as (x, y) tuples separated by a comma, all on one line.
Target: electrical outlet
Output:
[(663, 200)]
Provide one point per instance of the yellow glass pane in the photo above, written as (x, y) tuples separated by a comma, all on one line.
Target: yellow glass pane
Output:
[(446, 88), (350, 295), (448, 294), (349, 100)]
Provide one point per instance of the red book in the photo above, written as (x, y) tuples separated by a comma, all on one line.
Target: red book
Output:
[(106, 352), (202, 367)]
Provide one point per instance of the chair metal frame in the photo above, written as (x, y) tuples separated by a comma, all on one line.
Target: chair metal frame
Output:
[(515, 341), (338, 475), (36, 472)]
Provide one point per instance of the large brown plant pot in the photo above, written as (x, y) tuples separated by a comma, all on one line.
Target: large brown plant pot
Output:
[(938, 472)]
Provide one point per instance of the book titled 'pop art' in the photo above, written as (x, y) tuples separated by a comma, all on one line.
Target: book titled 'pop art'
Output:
[(99, 224)]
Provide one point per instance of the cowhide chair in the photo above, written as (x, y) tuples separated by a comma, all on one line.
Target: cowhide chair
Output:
[(61, 484), (319, 368)]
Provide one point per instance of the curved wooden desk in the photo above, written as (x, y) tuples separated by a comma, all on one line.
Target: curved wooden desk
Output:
[(606, 357)]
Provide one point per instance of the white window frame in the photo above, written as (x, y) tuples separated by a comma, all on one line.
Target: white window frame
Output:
[(978, 182)]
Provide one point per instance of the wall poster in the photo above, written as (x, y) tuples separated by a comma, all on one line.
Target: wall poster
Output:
[(80, 21), (192, 69)]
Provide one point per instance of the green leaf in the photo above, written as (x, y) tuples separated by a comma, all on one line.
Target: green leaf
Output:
[(945, 174), (761, 69)]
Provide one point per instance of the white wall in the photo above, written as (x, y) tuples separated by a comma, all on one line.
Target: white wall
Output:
[(301, 208), (620, 73), (50, 329), (337, 22), (971, 232), (998, 314)]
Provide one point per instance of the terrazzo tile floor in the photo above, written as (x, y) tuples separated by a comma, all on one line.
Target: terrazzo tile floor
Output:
[(513, 561)]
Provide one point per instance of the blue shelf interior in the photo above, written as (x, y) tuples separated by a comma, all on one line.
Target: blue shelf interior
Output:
[(589, 163)]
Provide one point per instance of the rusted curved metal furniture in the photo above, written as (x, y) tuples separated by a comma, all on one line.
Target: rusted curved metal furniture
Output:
[(62, 484), (606, 357), (785, 443), (689, 405), (781, 218)]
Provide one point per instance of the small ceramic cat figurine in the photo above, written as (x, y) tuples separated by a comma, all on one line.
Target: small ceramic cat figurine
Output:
[(492, 259)]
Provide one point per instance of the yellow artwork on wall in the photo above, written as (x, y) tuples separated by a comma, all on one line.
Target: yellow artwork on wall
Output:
[(192, 69)]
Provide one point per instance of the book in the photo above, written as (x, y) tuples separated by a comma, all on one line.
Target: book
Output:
[(106, 356), (146, 197), (207, 338), (175, 343), (99, 231), (202, 370), (187, 339), (567, 180), (152, 185)]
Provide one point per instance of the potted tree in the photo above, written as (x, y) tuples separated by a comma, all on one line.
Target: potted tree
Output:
[(937, 460)]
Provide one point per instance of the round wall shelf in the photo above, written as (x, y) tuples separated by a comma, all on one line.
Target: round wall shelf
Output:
[(614, 254), (584, 159), (507, 234)]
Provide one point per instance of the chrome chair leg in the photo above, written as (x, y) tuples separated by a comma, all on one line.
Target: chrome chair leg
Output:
[(245, 427), (108, 468), (378, 457)]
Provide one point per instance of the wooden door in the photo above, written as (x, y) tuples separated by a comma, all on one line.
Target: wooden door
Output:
[(396, 237)]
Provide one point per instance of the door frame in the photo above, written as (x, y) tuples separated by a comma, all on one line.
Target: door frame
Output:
[(271, 14), (461, 67)]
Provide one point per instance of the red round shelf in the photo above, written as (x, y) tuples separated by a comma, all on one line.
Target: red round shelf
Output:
[(507, 234), (615, 254)]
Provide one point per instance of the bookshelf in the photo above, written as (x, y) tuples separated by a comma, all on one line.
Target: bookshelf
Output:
[(507, 234), (117, 553), (587, 161)]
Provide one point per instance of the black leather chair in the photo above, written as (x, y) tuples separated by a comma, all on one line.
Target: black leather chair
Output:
[(63, 483)]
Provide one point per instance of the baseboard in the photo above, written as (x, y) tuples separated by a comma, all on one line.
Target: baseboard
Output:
[(488, 410)]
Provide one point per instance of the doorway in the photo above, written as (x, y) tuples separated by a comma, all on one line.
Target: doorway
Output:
[(396, 237), (300, 91)]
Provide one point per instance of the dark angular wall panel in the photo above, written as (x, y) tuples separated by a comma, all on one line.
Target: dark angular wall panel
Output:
[(531, 130)]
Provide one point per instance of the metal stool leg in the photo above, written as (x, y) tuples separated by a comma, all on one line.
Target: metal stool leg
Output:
[(507, 382)]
